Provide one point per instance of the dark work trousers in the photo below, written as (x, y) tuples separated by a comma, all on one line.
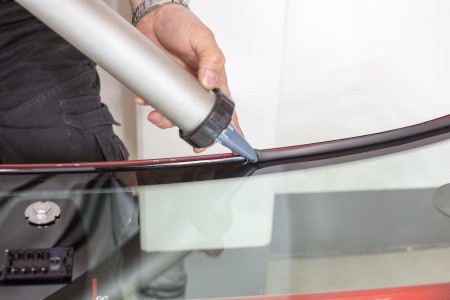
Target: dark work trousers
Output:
[(50, 112), (67, 123)]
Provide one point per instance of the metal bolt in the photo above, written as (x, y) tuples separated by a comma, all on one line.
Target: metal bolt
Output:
[(42, 213)]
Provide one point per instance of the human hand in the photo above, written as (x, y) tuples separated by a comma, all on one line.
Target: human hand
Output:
[(177, 30)]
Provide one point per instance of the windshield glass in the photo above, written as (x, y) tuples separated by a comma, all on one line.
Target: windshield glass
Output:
[(286, 229)]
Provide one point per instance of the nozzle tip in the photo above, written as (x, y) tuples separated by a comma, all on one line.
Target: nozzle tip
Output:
[(232, 139)]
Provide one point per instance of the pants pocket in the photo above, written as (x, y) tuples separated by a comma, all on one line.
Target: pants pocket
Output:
[(111, 147), (90, 121), (86, 112)]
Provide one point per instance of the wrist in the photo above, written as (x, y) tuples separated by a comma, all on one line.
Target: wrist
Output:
[(151, 7)]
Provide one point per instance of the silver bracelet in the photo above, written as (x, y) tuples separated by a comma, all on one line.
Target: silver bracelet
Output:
[(149, 5)]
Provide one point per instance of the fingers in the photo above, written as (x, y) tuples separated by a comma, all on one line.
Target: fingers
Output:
[(200, 150), (213, 253), (192, 44), (139, 101), (223, 83), (159, 120), (211, 60), (155, 117), (236, 123)]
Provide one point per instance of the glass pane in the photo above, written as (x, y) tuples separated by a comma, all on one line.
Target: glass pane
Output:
[(361, 225)]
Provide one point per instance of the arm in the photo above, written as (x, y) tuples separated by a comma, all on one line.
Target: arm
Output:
[(176, 29)]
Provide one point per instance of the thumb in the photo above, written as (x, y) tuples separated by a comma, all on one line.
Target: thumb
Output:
[(211, 63)]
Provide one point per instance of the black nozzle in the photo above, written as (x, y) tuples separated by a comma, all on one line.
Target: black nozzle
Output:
[(217, 121)]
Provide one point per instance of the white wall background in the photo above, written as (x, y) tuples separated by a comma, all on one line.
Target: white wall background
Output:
[(353, 67), (303, 71)]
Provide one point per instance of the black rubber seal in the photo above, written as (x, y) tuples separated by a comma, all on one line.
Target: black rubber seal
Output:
[(217, 121), (270, 161)]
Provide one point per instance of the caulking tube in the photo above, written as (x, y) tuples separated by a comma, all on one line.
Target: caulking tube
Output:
[(108, 39)]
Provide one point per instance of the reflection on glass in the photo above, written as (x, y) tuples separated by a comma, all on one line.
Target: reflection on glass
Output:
[(228, 214)]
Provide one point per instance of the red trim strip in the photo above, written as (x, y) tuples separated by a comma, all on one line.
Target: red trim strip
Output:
[(117, 163), (94, 288), (156, 162), (424, 292)]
